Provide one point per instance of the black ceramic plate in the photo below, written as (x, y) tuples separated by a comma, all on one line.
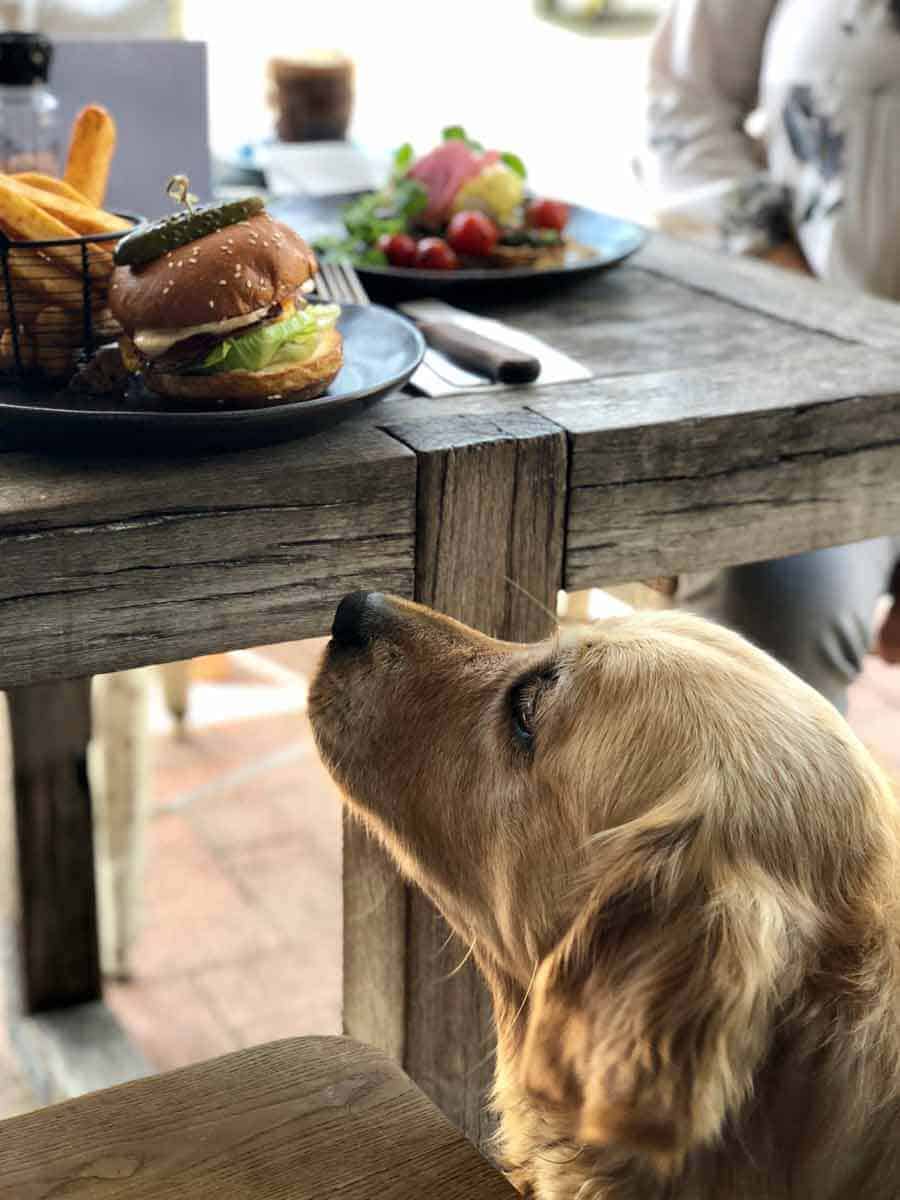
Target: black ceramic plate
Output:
[(600, 242), (381, 351)]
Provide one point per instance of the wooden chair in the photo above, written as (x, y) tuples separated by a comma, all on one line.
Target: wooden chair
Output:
[(302, 1119)]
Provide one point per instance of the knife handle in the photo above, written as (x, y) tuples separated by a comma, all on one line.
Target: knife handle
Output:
[(481, 354)]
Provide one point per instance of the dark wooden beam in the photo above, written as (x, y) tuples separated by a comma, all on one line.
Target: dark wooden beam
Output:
[(50, 726), (489, 551)]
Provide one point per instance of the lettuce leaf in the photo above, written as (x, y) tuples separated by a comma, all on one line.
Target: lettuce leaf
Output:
[(514, 163), (290, 340), (403, 159), (387, 211), (456, 133)]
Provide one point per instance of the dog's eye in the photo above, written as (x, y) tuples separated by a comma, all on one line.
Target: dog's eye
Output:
[(524, 705), (525, 699)]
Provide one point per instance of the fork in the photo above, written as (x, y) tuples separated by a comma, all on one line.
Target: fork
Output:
[(459, 348), (338, 283)]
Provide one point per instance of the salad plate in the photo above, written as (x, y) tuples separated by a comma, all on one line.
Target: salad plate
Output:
[(381, 352), (599, 243), (604, 242), (457, 219)]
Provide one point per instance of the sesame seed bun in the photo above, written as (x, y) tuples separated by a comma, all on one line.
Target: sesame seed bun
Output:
[(230, 273), (255, 389)]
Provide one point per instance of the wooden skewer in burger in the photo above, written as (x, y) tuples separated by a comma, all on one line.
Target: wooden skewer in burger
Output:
[(213, 306)]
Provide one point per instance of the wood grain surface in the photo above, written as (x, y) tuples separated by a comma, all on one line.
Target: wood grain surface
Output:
[(109, 565), (736, 413), (303, 1119), (691, 470), (113, 564), (50, 727), (495, 483)]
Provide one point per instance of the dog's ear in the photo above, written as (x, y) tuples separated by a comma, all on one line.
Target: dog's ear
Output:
[(646, 1023)]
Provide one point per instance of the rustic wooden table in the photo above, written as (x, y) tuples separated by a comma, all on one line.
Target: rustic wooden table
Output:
[(737, 413)]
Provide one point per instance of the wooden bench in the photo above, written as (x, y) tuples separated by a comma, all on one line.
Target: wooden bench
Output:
[(302, 1119)]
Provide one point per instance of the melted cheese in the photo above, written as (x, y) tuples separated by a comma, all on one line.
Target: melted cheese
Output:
[(153, 343)]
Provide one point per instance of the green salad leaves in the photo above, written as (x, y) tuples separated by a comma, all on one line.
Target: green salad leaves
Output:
[(366, 219), (291, 340), (394, 208)]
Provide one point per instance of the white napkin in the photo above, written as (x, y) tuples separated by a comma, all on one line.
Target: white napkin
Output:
[(439, 377), (317, 168)]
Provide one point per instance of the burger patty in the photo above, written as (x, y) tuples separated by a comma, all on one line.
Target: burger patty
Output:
[(195, 348)]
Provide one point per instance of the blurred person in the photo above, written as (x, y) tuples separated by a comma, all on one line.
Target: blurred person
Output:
[(816, 190)]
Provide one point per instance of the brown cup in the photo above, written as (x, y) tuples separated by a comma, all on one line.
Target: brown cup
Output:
[(312, 97)]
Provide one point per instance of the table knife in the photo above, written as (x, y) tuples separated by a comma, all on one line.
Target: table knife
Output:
[(486, 356)]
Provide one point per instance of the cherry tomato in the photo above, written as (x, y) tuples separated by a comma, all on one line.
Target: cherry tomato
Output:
[(434, 252), (472, 233), (547, 214), (400, 249)]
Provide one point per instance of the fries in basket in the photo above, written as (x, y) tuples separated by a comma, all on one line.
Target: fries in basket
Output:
[(53, 280), (91, 150)]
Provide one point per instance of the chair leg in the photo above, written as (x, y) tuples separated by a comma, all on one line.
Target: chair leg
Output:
[(119, 765), (176, 681)]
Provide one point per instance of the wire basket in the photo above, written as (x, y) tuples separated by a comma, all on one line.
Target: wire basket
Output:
[(54, 309)]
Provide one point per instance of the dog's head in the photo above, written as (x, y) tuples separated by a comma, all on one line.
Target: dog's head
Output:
[(658, 841)]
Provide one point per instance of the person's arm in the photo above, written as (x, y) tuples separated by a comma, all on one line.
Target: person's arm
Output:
[(706, 171), (888, 643)]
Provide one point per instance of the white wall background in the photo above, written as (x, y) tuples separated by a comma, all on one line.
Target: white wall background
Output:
[(570, 105)]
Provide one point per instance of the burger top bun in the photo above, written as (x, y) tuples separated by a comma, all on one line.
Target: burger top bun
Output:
[(230, 273)]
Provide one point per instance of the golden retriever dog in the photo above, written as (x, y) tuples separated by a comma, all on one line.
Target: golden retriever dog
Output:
[(679, 871)]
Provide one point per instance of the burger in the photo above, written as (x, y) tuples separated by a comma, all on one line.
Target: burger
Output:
[(223, 318)]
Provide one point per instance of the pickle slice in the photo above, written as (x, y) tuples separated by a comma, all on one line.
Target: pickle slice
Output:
[(154, 240)]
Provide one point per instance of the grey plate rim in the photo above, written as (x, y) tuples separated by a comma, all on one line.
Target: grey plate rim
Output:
[(234, 416)]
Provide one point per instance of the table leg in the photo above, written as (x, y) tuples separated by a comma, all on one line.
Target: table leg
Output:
[(119, 779), (374, 983), (50, 726), (491, 509)]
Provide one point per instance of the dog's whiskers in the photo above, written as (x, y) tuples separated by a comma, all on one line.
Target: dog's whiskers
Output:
[(442, 949), (534, 600), (462, 962), (521, 1007)]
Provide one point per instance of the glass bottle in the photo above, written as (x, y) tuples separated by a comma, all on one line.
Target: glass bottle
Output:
[(29, 128)]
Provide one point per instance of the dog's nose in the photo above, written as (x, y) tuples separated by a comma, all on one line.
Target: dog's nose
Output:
[(357, 619)]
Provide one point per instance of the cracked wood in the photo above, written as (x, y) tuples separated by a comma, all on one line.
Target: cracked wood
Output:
[(692, 470), (489, 550), (114, 564)]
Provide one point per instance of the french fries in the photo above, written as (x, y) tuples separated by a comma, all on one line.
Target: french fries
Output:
[(26, 221), (49, 183), (8, 353), (91, 149), (79, 216), (57, 338), (26, 305), (42, 282), (43, 289)]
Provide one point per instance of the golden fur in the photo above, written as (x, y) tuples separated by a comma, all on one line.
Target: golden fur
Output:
[(683, 897)]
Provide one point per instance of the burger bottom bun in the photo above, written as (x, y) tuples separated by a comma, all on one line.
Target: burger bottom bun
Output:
[(281, 384)]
